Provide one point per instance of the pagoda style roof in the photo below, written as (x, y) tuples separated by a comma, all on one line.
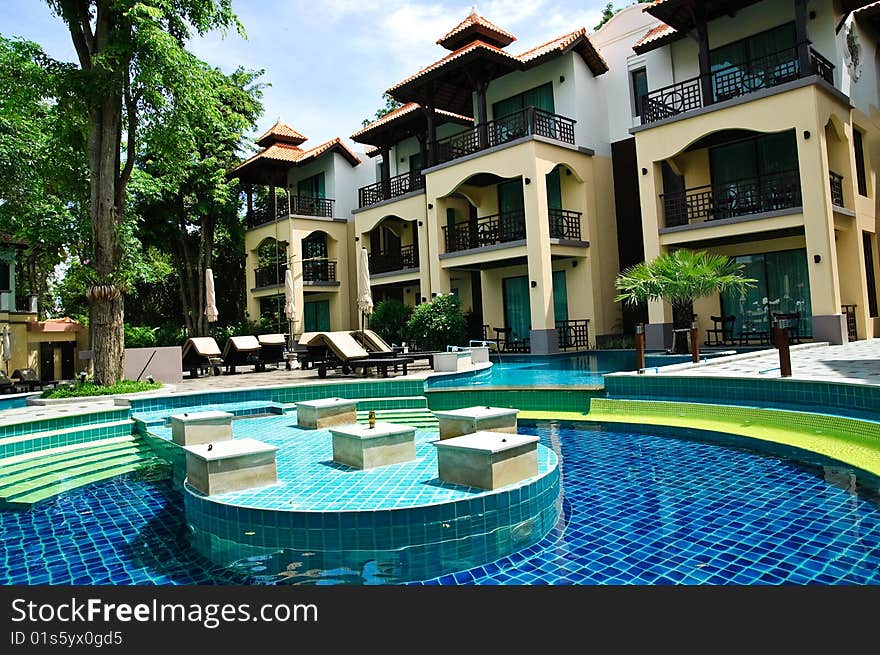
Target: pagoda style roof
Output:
[(281, 133), (403, 122), (476, 28), (271, 164)]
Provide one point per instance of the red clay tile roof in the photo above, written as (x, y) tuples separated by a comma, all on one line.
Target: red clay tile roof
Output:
[(471, 47), (562, 43), (656, 37), (281, 132), (285, 152), (479, 26), (404, 110)]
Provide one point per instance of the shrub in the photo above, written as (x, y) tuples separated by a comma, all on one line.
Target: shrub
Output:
[(437, 324), (140, 336), (170, 335), (389, 319), (80, 389)]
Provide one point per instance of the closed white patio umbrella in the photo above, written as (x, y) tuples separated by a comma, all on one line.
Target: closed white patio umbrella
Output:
[(289, 304), (365, 294), (210, 297), (7, 349)]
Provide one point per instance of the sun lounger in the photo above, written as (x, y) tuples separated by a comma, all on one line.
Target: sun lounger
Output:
[(272, 348), (341, 350), (27, 379), (242, 351), (6, 385), (379, 348), (201, 353)]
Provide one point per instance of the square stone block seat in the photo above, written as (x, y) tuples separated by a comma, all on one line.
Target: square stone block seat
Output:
[(216, 468), (361, 447), (200, 427), (488, 460), (325, 412), (456, 422)]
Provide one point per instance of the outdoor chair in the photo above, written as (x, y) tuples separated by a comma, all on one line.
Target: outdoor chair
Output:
[(793, 322), (27, 379), (6, 385), (272, 349), (201, 354), (378, 348), (242, 351), (721, 333)]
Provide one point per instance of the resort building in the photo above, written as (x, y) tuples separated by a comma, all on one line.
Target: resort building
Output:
[(524, 181), (299, 204), (759, 129)]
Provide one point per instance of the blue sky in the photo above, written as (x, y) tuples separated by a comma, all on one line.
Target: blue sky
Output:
[(328, 61)]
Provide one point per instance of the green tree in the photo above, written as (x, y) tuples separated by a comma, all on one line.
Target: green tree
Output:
[(608, 12), (437, 324), (389, 320), (390, 105), (679, 277), (133, 70)]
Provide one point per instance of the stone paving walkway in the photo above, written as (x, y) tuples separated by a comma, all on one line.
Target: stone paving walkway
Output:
[(858, 361)]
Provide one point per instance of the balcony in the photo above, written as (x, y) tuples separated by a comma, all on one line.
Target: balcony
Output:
[(298, 205), (530, 121), (731, 82), (729, 200), (269, 276), (565, 224), (319, 271), (397, 186), (485, 231), (406, 259), (836, 189)]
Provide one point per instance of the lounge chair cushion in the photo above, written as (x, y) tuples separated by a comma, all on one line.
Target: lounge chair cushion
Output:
[(204, 346), (271, 340), (372, 341), (342, 344), (241, 344)]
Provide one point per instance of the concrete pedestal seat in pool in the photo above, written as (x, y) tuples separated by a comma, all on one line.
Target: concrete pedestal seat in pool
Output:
[(200, 427), (363, 447), (488, 460), (325, 412), (454, 423), (216, 468)]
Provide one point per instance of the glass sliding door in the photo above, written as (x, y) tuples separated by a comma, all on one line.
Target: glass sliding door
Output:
[(783, 287), (511, 211), (517, 308), (560, 297), (759, 61), (316, 316)]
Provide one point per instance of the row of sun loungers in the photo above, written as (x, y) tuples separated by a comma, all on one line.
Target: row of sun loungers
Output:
[(348, 351)]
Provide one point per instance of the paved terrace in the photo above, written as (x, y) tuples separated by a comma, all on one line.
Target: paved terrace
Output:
[(857, 362)]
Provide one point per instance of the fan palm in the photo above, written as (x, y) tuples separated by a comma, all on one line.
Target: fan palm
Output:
[(679, 277)]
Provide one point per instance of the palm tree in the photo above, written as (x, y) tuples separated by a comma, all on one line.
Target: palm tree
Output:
[(679, 277)]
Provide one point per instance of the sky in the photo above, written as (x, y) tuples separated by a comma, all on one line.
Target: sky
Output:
[(329, 61)]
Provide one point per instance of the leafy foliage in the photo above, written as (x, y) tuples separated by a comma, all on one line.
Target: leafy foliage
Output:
[(389, 319), (608, 12), (390, 105), (82, 389), (140, 336), (437, 324)]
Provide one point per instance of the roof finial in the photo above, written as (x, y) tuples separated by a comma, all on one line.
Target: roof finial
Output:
[(473, 10)]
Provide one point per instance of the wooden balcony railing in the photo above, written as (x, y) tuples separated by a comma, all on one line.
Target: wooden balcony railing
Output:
[(565, 224), (385, 262), (525, 122), (269, 276), (307, 206), (394, 187), (740, 198), (836, 188), (573, 334), (732, 82), (319, 270)]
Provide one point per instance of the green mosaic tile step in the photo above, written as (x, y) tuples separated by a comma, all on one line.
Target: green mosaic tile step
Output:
[(415, 418), (394, 402), (853, 441), (58, 481), (30, 421), (68, 454), (26, 500), (52, 439), (62, 451), (43, 466)]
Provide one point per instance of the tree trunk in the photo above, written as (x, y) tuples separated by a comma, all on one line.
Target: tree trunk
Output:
[(682, 316)]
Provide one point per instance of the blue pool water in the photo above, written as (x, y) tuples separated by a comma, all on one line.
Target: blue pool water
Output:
[(585, 369), (639, 509)]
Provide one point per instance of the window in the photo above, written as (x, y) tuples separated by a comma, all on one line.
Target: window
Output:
[(861, 177), (540, 97), (560, 297), (761, 60), (316, 316), (311, 187), (272, 314), (517, 308), (554, 189), (870, 273), (415, 163), (5, 277), (639, 80)]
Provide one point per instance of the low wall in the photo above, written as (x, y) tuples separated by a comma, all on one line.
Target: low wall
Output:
[(165, 365)]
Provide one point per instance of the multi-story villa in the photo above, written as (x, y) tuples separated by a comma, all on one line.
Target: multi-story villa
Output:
[(525, 180)]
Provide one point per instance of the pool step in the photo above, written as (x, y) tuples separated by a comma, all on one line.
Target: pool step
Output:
[(38, 478), (418, 418), (22, 445), (392, 402), (248, 409)]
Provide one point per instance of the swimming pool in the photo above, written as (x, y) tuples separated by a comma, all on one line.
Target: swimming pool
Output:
[(639, 509), (583, 369)]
